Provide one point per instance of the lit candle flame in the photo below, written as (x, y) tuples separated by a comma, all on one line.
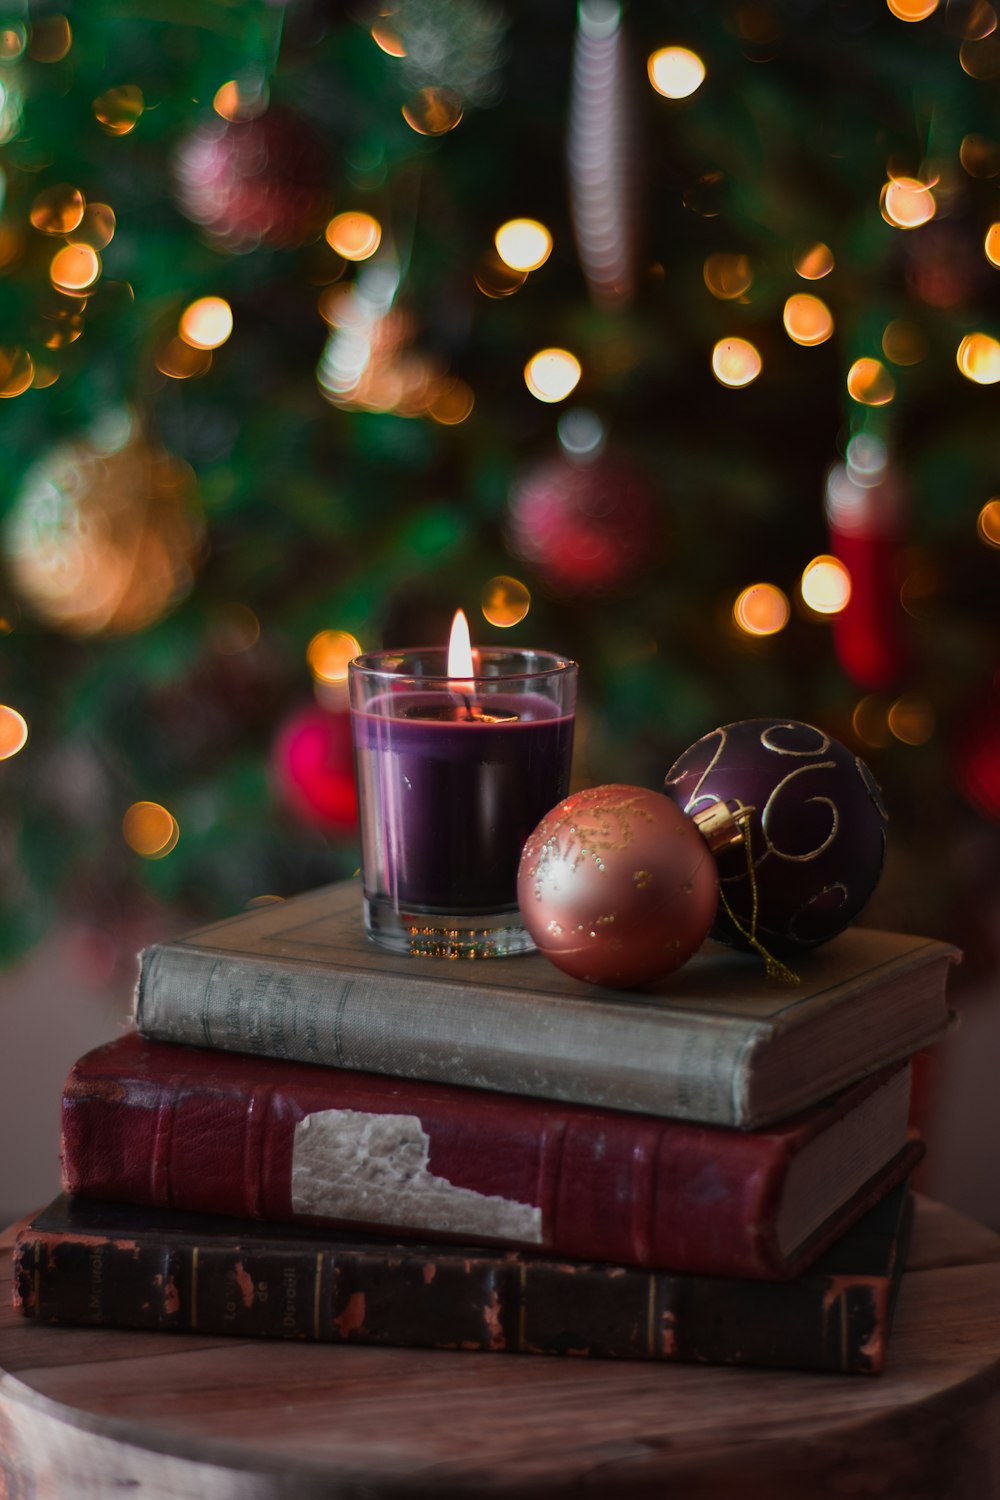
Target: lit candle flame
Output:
[(460, 667)]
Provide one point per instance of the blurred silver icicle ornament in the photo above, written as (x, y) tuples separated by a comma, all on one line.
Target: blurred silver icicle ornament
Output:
[(603, 155)]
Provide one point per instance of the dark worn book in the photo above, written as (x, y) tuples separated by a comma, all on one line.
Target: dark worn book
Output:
[(186, 1127), (114, 1265), (717, 1042)]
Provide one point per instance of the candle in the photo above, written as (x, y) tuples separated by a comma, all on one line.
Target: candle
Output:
[(458, 758)]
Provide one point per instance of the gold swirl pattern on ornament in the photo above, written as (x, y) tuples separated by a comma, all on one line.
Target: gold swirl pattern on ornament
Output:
[(819, 749), (594, 838), (772, 848), (694, 798), (837, 885)]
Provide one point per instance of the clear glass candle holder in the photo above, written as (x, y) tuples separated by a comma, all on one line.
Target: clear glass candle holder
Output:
[(452, 777)]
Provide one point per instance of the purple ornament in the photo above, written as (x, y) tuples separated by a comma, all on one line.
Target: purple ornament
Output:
[(817, 828)]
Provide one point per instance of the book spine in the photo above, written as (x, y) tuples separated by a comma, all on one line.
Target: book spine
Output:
[(617, 1055), (429, 1299), (577, 1182)]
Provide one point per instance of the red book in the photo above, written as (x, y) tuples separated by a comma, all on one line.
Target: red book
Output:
[(188, 1128)]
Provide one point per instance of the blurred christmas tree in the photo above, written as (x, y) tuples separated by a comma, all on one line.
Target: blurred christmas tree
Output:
[(323, 322)]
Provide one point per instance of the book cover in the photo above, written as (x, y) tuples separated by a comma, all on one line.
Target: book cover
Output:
[(717, 1042), (114, 1265), (186, 1127)]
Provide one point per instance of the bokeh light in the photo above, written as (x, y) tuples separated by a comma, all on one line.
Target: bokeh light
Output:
[(761, 609), (12, 41), (354, 235), (807, 319), (235, 102), (870, 723), (451, 402), (815, 262), (992, 244), (979, 155), (552, 374), (433, 111), (523, 244), (727, 275), (13, 731), (735, 362), (869, 382), (74, 268), (581, 432), (17, 370), (329, 653), (911, 719), (57, 209), (150, 829), (49, 39), (675, 72), (118, 110), (974, 20), (495, 278), (906, 202), (207, 323), (903, 343), (388, 41), (96, 228), (182, 361), (988, 523), (826, 585), (978, 358), (912, 10), (981, 58), (506, 601)]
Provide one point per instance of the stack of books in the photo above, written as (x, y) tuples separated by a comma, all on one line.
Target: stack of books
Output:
[(305, 1137)]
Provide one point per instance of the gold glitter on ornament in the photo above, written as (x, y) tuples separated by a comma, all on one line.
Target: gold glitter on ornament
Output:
[(104, 535)]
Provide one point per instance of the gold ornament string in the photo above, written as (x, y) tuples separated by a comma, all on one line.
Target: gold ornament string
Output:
[(775, 968)]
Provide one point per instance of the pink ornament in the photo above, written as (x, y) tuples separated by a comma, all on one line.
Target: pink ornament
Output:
[(617, 886)]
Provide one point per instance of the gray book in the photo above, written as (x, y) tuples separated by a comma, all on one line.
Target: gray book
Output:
[(716, 1041)]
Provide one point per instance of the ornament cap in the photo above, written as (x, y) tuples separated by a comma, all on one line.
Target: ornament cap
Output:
[(721, 824)]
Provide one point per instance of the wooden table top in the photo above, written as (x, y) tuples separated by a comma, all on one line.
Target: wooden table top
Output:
[(89, 1413)]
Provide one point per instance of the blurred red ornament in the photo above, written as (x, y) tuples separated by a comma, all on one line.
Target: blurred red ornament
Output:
[(248, 181), (864, 511), (313, 767), (588, 525), (977, 757), (617, 886)]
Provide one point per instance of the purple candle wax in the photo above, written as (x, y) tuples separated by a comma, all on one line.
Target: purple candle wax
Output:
[(453, 799)]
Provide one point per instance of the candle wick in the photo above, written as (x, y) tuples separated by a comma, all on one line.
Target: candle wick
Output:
[(467, 700)]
